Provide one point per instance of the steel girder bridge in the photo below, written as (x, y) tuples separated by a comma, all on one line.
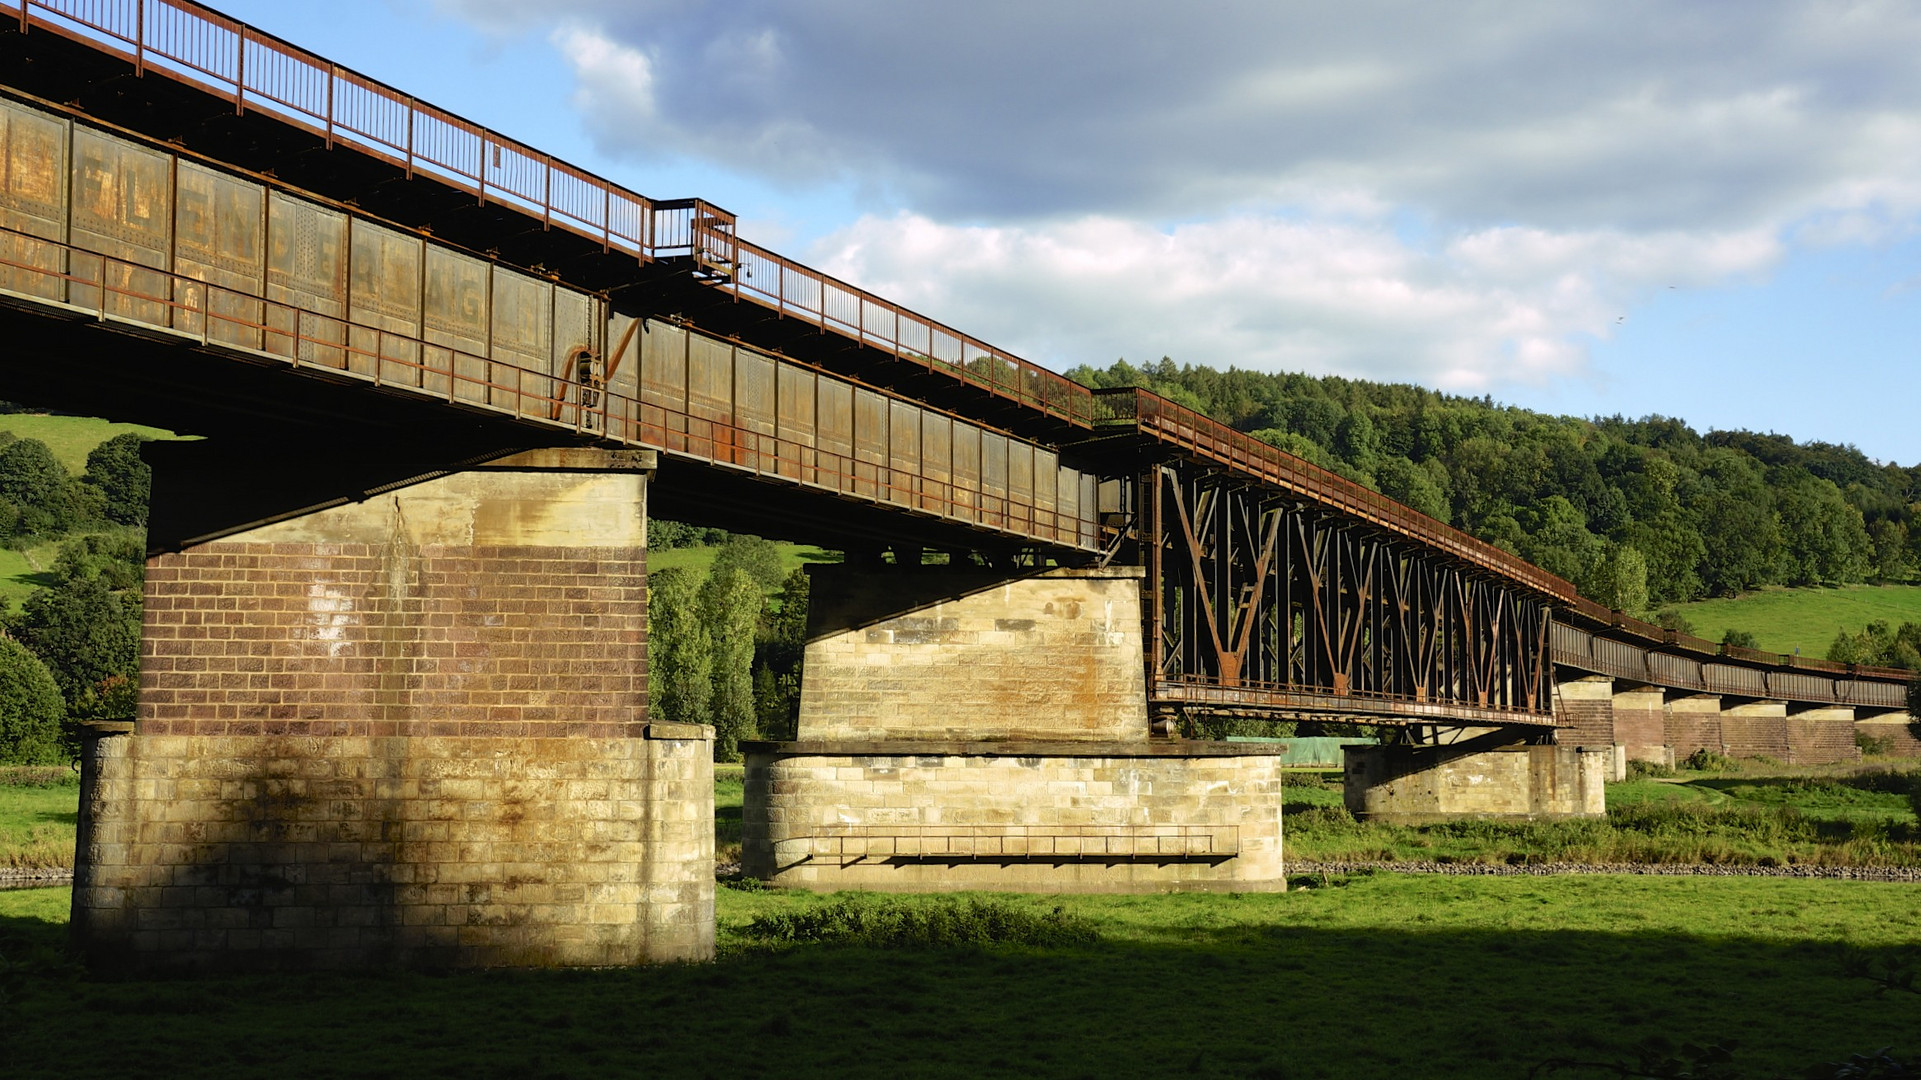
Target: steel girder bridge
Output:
[(175, 186)]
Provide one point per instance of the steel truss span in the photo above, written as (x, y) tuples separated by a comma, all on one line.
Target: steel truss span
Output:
[(1262, 601)]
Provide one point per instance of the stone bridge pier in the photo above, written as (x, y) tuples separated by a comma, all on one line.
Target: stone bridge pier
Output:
[(961, 728), (395, 721)]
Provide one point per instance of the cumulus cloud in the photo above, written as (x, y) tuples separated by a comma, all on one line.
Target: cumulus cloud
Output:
[(1464, 196), (1635, 114), (1491, 308)]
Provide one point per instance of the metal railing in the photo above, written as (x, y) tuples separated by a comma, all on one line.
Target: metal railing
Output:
[(215, 317), (1157, 416), (256, 70), (816, 298)]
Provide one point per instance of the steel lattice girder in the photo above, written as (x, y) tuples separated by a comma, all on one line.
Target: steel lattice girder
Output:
[(1257, 597)]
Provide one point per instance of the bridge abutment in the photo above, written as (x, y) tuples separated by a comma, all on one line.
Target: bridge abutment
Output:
[(962, 730), (404, 729)]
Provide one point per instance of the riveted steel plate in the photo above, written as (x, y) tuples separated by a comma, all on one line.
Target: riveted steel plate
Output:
[(122, 210), (936, 462), (754, 409), (454, 311), (306, 281), (834, 438), (967, 471), (663, 383), (33, 201), (220, 242), (383, 301), (903, 453), (795, 428)]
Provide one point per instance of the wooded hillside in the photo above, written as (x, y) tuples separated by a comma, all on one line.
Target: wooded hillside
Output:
[(1637, 513)]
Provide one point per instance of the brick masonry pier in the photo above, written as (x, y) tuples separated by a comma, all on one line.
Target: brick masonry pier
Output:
[(960, 730), (408, 728)]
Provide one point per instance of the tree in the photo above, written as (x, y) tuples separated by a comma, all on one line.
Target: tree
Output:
[(31, 710), (35, 481), (1740, 639), (778, 653), (1557, 539), (759, 559), (680, 653), (1619, 580), (730, 604), (86, 634), (1824, 539), (1416, 486), (123, 476)]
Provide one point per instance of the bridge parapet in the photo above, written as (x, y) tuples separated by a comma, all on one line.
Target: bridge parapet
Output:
[(219, 262), (1662, 659), (258, 72)]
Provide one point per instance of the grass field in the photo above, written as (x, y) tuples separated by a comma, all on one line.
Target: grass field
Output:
[(1370, 976), (22, 571), (1783, 620), (72, 438), (1832, 818), (37, 820), (730, 782)]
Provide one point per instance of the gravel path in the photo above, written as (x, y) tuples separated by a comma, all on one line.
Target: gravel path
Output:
[(12, 878), (1842, 873)]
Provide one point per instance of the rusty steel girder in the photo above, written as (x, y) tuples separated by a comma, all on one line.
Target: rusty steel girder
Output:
[(1260, 601)]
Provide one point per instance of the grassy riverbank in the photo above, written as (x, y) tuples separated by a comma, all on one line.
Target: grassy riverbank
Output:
[(1834, 817), (1371, 976), (38, 810)]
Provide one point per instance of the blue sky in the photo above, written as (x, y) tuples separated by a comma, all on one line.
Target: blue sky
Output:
[(1705, 210)]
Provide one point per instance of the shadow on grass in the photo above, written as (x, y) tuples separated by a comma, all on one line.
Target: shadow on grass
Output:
[(727, 825), (31, 580), (1230, 1001)]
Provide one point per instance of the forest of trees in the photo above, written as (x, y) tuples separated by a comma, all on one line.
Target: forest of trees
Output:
[(724, 648), (72, 650), (1638, 514)]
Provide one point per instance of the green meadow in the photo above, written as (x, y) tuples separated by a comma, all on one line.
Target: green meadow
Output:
[(1784, 620), (1370, 976)]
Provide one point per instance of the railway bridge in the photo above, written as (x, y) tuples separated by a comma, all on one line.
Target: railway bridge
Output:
[(393, 695)]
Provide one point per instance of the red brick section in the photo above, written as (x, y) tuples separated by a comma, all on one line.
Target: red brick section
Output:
[(1691, 731), (1644, 726), (1818, 741), (1585, 723), (1755, 736), (357, 639)]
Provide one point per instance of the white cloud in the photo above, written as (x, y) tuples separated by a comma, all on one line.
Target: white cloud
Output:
[(1488, 309), (1386, 188), (1629, 113)]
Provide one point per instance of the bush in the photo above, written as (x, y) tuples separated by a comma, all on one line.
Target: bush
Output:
[(31, 709), (1872, 745), (1648, 770), (891, 923), (1705, 760)]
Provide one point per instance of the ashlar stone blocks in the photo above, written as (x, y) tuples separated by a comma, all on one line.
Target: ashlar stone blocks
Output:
[(1098, 817), (970, 654), (287, 852), (1418, 784), (404, 728)]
